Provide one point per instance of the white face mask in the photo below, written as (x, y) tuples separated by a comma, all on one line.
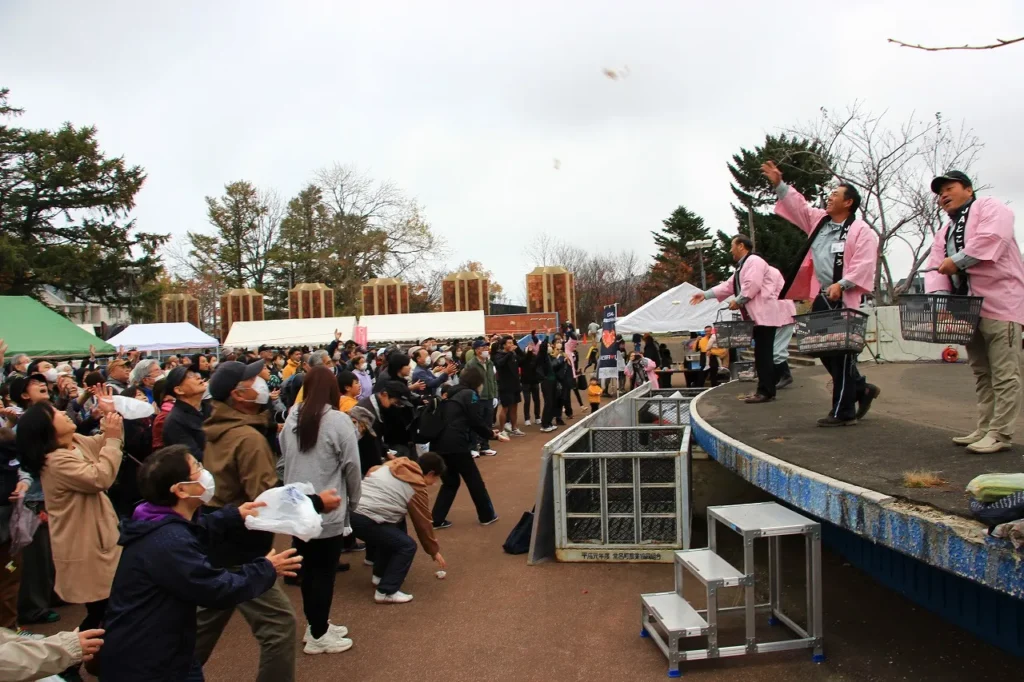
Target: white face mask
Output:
[(209, 486), (51, 375), (485, 354), (262, 391), (361, 367)]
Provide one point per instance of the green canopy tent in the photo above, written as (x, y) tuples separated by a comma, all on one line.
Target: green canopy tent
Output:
[(28, 326)]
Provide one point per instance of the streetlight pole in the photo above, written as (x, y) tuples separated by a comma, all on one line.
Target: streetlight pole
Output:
[(700, 245)]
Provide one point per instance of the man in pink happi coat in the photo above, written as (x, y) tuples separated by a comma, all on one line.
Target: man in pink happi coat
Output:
[(976, 254), (836, 267), (756, 286)]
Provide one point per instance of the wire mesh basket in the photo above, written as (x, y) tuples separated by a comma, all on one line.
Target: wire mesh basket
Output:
[(830, 332), (939, 318), (734, 333)]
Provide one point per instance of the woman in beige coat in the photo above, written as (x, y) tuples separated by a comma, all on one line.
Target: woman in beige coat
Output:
[(75, 472)]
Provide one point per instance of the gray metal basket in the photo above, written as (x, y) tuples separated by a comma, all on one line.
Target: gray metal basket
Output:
[(831, 332)]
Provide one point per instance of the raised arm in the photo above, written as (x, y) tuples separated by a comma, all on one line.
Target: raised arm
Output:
[(791, 205)]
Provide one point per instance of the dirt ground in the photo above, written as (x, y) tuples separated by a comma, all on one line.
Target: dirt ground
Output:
[(496, 618)]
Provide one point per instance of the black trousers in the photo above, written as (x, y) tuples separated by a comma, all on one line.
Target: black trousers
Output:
[(461, 466), (848, 385), (550, 389), (394, 550), (35, 594), (531, 391), (319, 568), (709, 368), (764, 360)]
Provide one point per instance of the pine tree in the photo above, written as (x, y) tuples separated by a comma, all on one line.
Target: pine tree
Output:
[(675, 264)]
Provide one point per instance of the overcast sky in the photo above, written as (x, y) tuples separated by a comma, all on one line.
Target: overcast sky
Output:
[(466, 105)]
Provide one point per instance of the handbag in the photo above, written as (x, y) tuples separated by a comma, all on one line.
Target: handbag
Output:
[(518, 541)]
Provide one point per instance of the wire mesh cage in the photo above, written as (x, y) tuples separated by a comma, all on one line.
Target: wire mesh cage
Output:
[(630, 439), (939, 318), (831, 331), (674, 411)]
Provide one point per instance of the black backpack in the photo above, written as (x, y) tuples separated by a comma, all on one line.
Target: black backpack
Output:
[(518, 541), (430, 421)]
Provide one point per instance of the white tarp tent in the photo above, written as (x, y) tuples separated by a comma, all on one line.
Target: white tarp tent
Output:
[(317, 331), (417, 326), (671, 312), (162, 336)]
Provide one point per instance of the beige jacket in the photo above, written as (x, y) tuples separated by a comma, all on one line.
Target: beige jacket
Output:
[(83, 524), (26, 659)]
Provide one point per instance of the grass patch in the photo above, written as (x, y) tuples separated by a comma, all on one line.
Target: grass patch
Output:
[(923, 479)]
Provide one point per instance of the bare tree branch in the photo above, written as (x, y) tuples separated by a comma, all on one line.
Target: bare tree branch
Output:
[(999, 43)]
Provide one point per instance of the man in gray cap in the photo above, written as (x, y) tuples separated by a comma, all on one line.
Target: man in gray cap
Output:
[(243, 467), (976, 254)]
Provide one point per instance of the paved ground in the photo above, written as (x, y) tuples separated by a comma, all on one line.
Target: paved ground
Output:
[(495, 618), (908, 428)]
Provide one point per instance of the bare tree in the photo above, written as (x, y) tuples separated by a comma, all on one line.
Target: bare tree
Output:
[(892, 168), (999, 43)]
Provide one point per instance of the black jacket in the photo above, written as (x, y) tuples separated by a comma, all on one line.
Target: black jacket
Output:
[(163, 575), (184, 426), (528, 368), (372, 450), (651, 352), (463, 418), (507, 367)]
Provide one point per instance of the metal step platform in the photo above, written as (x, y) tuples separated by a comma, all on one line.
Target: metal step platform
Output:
[(667, 617)]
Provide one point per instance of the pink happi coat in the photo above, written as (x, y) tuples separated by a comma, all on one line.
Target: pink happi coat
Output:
[(860, 255), (570, 354), (999, 277), (649, 366), (761, 283)]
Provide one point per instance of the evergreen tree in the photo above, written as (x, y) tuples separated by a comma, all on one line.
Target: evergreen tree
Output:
[(777, 240), (675, 264)]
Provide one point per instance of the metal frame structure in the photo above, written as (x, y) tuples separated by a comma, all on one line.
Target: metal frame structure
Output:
[(671, 614)]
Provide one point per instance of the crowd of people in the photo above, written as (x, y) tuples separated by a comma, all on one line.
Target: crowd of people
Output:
[(137, 475)]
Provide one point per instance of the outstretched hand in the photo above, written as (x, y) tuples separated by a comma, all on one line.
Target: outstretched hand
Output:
[(696, 298), (286, 563), (772, 172)]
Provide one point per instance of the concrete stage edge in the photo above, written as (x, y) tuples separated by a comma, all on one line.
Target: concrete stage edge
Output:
[(954, 544)]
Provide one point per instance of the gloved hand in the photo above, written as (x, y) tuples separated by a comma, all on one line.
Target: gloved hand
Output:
[(494, 404)]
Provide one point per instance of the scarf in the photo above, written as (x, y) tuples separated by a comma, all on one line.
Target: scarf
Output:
[(961, 284), (837, 266)]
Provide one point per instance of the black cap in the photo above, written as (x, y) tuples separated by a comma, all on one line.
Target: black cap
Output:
[(480, 343), (396, 390), (228, 375), (20, 384), (951, 176), (175, 378)]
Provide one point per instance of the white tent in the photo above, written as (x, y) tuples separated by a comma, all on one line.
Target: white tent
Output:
[(417, 326), (162, 336), (671, 312), (317, 331)]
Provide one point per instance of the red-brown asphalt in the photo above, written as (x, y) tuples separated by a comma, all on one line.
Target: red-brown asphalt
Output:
[(496, 618)]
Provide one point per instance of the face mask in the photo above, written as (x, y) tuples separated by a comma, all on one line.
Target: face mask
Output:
[(262, 391), (51, 375), (485, 354), (209, 485), (360, 368)]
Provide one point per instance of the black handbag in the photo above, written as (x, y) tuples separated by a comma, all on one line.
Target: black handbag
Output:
[(518, 541)]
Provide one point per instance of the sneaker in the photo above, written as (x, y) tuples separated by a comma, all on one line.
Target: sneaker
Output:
[(343, 566), (488, 452), (786, 381), (516, 432), (508, 427), (32, 636), (527, 423), (559, 422), (503, 436), (367, 562), (375, 580), (487, 523), (969, 439), (47, 617), (547, 429), (330, 643), (358, 547), (339, 630), (444, 524), (396, 598), (475, 453), (988, 446), (832, 421), (870, 393)]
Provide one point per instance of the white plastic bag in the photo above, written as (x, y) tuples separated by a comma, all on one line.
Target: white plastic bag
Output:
[(132, 408), (289, 511)]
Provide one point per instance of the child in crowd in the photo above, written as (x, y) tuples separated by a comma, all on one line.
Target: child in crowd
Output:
[(350, 388), (594, 393)]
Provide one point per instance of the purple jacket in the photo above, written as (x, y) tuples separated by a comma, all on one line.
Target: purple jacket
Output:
[(365, 383)]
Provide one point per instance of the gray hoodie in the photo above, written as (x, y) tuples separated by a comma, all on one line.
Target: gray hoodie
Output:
[(332, 463)]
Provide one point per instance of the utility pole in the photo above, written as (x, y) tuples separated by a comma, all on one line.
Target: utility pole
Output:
[(750, 224)]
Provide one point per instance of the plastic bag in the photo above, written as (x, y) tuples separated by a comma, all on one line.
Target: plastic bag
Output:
[(132, 408), (991, 487), (289, 511), (24, 523)]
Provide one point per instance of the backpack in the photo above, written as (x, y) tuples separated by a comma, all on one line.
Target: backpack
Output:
[(518, 541), (430, 421)]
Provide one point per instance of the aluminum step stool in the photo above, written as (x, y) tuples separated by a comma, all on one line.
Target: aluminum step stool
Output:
[(679, 619)]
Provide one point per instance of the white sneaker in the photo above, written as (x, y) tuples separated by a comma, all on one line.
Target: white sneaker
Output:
[(475, 453), (487, 523), (516, 432), (339, 630), (396, 598), (547, 429), (970, 439), (503, 436), (367, 562), (330, 643), (988, 446), (527, 423), (488, 452), (508, 426), (375, 580)]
